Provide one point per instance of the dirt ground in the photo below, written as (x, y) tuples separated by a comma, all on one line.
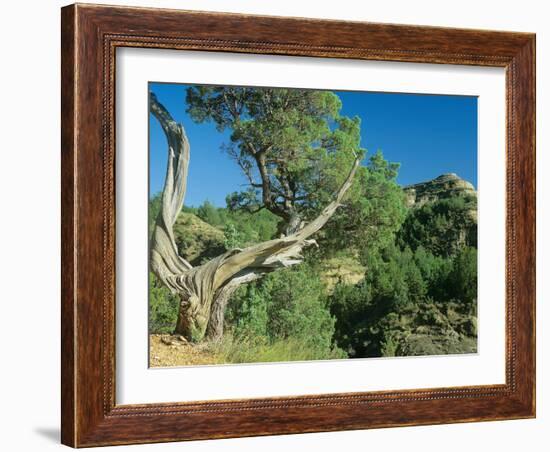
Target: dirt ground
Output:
[(167, 350)]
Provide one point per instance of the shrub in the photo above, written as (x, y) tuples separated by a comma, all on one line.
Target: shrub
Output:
[(210, 214), (399, 294), (163, 307), (286, 305), (443, 227), (462, 279)]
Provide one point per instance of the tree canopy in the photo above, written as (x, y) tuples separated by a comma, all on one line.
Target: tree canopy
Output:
[(289, 144), (384, 280)]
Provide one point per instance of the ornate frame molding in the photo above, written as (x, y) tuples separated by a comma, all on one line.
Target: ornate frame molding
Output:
[(90, 36)]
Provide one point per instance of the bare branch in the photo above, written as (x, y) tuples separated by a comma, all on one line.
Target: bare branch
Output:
[(266, 253), (165, 260), (205, 290), (268, 197)]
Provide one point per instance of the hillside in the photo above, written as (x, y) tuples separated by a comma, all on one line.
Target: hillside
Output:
[(446, 186), (415, 296), (197, 240), (442, 215)]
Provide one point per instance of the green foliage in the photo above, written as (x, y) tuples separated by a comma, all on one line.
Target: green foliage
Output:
[(418, 294), (210, 214), (389, 346), (243, 228), (291, 144), (240, 227), (462, 279), (297, 307), (287, 305), (352, 308), (163, 307), (372, 212), (233, 238), (396, 279), (442, 227), (154, 209), (207, 231), (197, 241), (261, 350), (435, 272), (397, 295)]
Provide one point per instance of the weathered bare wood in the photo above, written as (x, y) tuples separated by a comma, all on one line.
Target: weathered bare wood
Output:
[(205, 290), (165, 260)]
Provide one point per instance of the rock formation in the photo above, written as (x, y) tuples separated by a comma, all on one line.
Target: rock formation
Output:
[(445, 186)]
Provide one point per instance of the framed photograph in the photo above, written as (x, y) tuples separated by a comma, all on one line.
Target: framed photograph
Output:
[(281, 225)]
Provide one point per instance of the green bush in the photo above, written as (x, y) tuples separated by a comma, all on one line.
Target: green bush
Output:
[(210, 214), (247, 312), (353, 310), (462, 279), (443, 227), (163, 307), (398, 295), (286, 305), (372, 212), (418, 295), (154, 209)]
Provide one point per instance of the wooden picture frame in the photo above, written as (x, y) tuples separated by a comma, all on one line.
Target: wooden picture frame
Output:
[(90, 36)]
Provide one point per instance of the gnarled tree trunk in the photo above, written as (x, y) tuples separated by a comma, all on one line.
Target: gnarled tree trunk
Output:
[(205, 290)]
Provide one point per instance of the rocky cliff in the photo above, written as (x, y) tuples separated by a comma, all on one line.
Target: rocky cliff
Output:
[(442, 215), (446, 186), (442, 187)]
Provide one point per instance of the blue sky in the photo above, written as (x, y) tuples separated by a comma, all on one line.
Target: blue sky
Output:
[(428, 134)]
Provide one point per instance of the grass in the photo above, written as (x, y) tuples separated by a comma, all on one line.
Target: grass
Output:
[(167, 350), (196, 239), (283, 350)]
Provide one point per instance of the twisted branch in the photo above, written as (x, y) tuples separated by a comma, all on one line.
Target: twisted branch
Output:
[(205, 290)]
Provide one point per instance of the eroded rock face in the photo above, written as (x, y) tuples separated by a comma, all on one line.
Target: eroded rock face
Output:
[(431, 329), (442, 187)]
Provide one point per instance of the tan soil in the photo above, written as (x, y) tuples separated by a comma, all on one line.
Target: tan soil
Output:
[(166, 350)]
